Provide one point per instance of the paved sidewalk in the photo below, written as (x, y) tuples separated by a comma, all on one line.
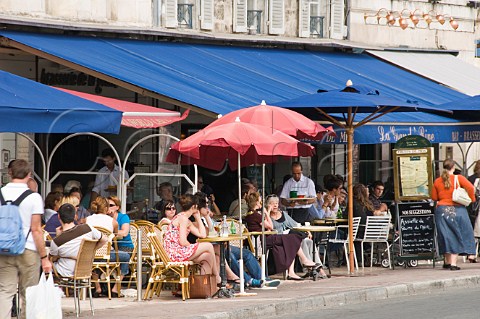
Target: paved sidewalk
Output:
[(291, 297)]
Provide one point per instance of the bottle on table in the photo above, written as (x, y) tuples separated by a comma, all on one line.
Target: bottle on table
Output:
[(224, 231), (233, 230)]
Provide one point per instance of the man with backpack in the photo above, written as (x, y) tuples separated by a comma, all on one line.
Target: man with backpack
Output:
[(23, 250)]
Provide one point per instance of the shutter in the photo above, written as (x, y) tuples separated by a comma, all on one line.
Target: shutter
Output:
[(337, 12), (304, 19), (207, 16), (171, 20), (240, 16), (276, 17)]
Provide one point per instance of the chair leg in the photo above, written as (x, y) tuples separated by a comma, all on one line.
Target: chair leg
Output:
[(76, 300), (372, 245), (92, 310), (347, 256), (388, 254), (363, 264)]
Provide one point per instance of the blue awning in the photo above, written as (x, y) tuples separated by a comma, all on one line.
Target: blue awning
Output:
[(221, 79), (30, 107), (391, 127)]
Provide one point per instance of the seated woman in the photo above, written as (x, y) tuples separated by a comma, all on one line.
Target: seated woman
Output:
[(167, 212), (283, 247), (100, 218), (283, 224), (362, 207), (124, 241), (175, 240)]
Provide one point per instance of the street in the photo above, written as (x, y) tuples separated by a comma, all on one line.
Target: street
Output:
[(454, 303)]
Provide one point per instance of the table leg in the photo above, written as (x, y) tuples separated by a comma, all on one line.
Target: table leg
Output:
[(223, 291)]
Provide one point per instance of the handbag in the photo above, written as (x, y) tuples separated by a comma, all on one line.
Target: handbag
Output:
[(44, 300), (460, 195), (202, 286)]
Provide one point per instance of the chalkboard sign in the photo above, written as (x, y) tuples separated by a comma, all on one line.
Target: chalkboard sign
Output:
[(416, 225)]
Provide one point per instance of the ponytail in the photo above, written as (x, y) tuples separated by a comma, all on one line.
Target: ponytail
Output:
[(446, 179)]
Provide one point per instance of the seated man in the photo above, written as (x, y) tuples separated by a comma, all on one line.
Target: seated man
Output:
[(375, 196), (64, 248)]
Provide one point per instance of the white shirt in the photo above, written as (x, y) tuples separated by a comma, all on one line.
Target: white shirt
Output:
[(304, 187), (31, 205), (102, 182), (69, 250), (100, 220)]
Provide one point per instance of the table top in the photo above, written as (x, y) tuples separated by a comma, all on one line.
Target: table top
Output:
[(267, 232), (300, 198), (219, 239), (329, 221), (315, 228)]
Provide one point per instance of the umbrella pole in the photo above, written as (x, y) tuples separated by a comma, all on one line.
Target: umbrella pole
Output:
[(350, 196), (240, 262), (262, 258)]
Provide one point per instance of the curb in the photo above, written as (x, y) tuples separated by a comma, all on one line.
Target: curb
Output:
[(304, 304)]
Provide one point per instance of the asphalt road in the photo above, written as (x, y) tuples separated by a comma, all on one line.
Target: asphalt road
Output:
[(454, 304)]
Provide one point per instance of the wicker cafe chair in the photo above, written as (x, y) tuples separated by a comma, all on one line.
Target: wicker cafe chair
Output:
[(103, 265), (82, 274), (132, 264), (166, 271), (146, 227)]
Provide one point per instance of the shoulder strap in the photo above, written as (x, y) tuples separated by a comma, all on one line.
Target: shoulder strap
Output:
[(2, 200), (22, 197), (455, 184)]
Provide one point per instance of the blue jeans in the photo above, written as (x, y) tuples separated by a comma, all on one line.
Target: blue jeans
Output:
[(250, 263), (124, 258)]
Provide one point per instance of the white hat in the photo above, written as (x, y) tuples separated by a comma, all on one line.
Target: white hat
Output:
[(71, 184)]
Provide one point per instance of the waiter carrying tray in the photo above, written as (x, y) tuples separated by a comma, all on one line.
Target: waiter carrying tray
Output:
[(298, 194)]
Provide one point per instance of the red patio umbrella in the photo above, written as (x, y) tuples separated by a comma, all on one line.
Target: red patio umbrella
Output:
[(213, 145), (287, 121), (240, 144)]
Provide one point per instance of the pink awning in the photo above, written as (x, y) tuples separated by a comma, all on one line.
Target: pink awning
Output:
[(134, 114)]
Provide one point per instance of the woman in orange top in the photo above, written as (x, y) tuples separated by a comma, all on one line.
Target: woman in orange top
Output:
[(455, 232)]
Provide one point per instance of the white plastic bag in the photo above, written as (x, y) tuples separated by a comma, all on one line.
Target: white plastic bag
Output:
[(44, 300)]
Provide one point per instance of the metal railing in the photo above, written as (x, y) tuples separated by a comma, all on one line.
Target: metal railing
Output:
[(184, 15), (316, 26), (254, 20)]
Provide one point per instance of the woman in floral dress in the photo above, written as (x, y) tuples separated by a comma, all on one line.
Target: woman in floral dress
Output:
[(175, 240)]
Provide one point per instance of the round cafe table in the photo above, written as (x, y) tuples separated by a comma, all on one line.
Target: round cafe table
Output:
[(330, 221), (223, 291)]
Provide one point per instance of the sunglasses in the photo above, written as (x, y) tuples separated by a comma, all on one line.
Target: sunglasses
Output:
[(170, 208), (112, 205)]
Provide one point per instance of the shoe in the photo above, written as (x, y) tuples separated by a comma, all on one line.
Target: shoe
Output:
[(453, 267), (446, 266), (472, 260), (272, 283), (256, 283), (116, 295), (293, 278)]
